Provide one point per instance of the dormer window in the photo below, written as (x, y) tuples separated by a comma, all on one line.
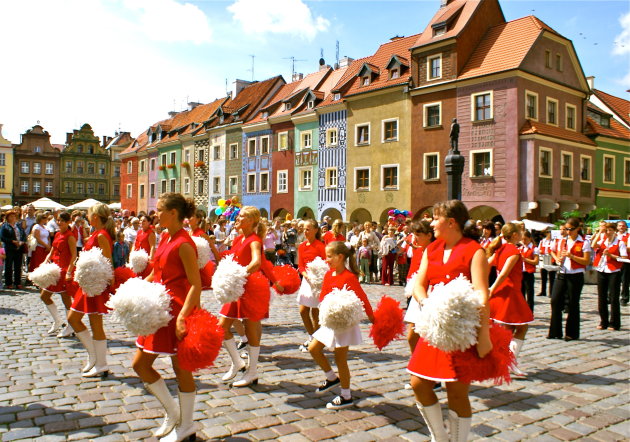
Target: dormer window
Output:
[(337, 96), (153, 137), (310, 104), (287, 106), (365, 81), (394, 73), (440, 30), (265, 114), (163, 135), (37, 149)]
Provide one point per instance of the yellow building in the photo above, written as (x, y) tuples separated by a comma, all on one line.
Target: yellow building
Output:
[(6, 170)]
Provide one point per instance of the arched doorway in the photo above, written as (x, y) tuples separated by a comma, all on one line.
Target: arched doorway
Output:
[(360, 216), (420, 214), (264, 213), (282, 213), (384, 216), (306, 213), (486, 213), (332, 213)]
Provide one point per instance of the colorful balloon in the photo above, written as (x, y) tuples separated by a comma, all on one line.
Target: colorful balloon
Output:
[(221, 202), (217, 211)]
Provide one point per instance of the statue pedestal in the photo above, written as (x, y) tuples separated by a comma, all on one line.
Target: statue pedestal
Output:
[(454, 163)]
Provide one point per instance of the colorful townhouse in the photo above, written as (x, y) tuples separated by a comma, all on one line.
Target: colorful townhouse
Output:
[(6, 170), (115, 146)]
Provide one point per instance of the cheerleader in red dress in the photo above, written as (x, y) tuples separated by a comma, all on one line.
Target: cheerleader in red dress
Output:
[(454, 252), (253, 306), (197, 224), (529, 253), (101, 220), (310, 249), (146, 240), (507, 304), (334, 234), (63, 253), (175, 266), (338, 255)]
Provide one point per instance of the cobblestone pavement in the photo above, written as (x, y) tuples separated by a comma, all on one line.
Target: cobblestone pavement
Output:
[(575, 390)]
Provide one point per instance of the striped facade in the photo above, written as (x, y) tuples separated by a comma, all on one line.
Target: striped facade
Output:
[(331, 199), (255, 165)]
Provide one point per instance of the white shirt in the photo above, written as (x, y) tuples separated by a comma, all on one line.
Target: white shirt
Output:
[(603, 261), (41, 233), (130, 235), (52, 226), (567, 263)]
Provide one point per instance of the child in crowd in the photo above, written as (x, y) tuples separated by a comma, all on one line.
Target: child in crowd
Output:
[(121, 251), (365, 255)]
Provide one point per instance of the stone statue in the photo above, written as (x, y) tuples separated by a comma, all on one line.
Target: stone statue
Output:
[(454, 135)]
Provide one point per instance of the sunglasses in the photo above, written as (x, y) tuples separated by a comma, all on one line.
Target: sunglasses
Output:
[(571, 229)]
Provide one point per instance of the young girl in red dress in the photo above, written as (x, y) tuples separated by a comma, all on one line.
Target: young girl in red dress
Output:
[(63, 253), (455, 251), (101, 220), (310, 249), (252, 307), (147, 241), (338, 255), (175, 266), (507, 304)]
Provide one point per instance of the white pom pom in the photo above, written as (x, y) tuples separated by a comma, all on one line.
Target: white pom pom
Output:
[(315, 272), (142, 307), (228, 282), (93, 272), (203, 251), (138, 261), (450, 318), (45, 275), (411, 283), (340, 309)]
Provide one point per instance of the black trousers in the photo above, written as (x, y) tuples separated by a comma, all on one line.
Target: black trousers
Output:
[(13, 267), (625, 283), (544, 276), (608, 288), (569, 287), (527, 289)]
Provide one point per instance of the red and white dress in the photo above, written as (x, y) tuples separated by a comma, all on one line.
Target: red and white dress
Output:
[(426, 361), (307, 252), (142, 242), (352, 336), (507, 303), (93, 305), (413, 309), (254, 304), (169, 270), (206, 271), (62, 257)]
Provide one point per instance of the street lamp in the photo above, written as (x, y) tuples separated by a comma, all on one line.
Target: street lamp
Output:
[(454, 163)]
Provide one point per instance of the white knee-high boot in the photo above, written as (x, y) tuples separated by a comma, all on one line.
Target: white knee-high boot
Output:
[(251, 375), (515, 347), (52, 308), (459, 426), (160, 391), (237, 362), (433, 418), (186, 427), (100, 366), (86, 339)]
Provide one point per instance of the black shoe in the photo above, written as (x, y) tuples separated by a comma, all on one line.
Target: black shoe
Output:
[(569, 338), (326, 385), (554, 337), (339, 402), (241, 345)]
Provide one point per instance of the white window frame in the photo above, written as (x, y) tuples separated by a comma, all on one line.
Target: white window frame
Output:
[(540, 150), (251, 142), (152, 190), (103, 168), (614, 165), (590, 169), (68, 188), (262, 144), (49, 169), (2, 181), (37, 167), (142, 167), (216, 185), (356, 134), (129, 190), (472, 163), (141, 191), (129, 166), (356, 179), (80, 188), (626, 164), (3, 159), (172, 185), (534, 94), (557, 123), (186, 185), (163, 186), (260, 182), (279, 180), (235, 156), (25, 167), (390, 120), (562, 154), (163, 160), (301, 172), (186, 156), (568, 106), (389, 166), (24, 185), (327, 175), (425, 114), (303, 136), (216, 152), (48, 188), (425, 163), (430, 58), (152, 164), (235, 178), (173, 158), (101, 186), (201, 184), (473, 110), (281, 135), (329, 133), (250, 189), (37, 186)]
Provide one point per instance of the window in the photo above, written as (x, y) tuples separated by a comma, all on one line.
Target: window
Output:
[(142, 166), (152, 164), (49, 168), (2, 181), (90, 169), (331, 177), (585, 168), (163, 160), (163, 186), (626, 171), (141, 191), (362, 133), (233, 149), (80, 148), (264, 145), (233, 184), (545, 162), (264, 181), (90, 149), (187, 156), (216, 152), (25, 167), (172, 185), (287, 106), (37, 149), (37, 167), (152, 190), (394, 73), (390, 130), (251, 147), (173, 158), (283, 140), (116, 190), (49, 187), (570, 116), (80, 167), (130, 166), (559, 62), (3, 160), (67, 188), (481, 163), (310, 104), (482, 106), (283, 181), (90, 188), (251, 182), (432, 114), (186, 185), (365, 81), (24, 186), (129, 190), (37, 186), (434, 67), (337, 96), (201, 187), (101, 188), (362, 179), (566, 165), (216, 184), (68, 166), (306, 178), (80, 188), (101, 168), (331, 137), (307, 139), (431, 166), (116, 171), (390, 177), (552, 111), (548, 59), (531, 105), (609, 169)]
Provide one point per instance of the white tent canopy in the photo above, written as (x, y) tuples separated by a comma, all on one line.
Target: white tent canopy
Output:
[(7, 207), (114, 206), (85, 204), (46, 204), (537, 225)]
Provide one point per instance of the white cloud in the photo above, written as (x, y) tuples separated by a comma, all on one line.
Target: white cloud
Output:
[(622, 41), (292, 17)]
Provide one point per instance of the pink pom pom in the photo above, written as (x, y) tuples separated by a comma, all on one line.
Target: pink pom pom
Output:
[(495, 366), (206, 274), (201, 345), (121, 275), (388, 322), (288, 278)]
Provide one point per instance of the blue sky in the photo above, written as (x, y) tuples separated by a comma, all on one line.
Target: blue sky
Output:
[(126, 63)]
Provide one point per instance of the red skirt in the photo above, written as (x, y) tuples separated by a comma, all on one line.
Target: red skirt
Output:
[(508, 306), (37, 257), (60, 287), (164, 341), (254, 304), (431, 363), (94, 305)]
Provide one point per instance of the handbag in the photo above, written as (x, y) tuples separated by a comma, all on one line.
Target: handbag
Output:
[(31, 242)]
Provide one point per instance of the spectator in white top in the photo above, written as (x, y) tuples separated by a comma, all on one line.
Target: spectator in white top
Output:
[(132, 231)]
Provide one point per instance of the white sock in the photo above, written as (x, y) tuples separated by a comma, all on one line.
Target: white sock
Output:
[(330, 375), (52, 308), (345, 393), (244, 339)]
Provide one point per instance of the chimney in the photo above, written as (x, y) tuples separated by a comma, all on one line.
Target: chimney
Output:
[(172, 113), (591, 82), (444, 3), (396, 37), (297, 76), (69, 138), (345, 61), (238, 86), (193, 104)]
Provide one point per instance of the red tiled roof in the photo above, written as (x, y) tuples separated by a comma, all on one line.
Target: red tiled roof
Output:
[(59, 147), (616, 129), (619, 106), (465, 8), (534, 127)]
